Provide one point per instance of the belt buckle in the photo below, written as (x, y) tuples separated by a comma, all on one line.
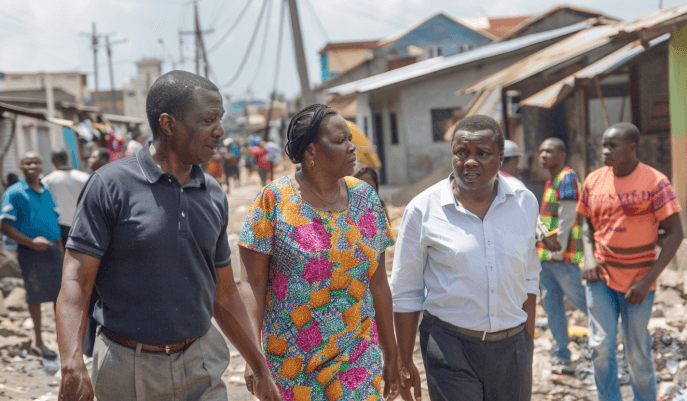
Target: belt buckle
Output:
[(168, 349), (484, 335)]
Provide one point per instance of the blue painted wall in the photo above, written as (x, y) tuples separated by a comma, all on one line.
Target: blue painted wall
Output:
[(440, 30)]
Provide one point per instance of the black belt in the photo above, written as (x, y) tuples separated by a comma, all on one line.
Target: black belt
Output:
[(482, 335)]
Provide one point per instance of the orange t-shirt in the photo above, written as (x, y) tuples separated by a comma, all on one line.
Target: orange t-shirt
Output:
[(625, 213)]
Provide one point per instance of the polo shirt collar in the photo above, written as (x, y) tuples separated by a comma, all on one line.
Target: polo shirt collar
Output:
[(153, 172), (25, 185), (447, 197)]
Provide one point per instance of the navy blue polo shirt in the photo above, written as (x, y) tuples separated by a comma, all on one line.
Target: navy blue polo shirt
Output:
[(159, 244), (31, 213)]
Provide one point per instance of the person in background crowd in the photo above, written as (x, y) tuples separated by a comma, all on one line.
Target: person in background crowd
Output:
[(465, 257), (313, 272), (135, 144), (511, 159), (561, 253), (264, 165), (370, 176), (230, 163), (624, 204), (30, 217), (215, 168), (11, 180), (150, 232), (65, 185), (99, 157), (9, 244)]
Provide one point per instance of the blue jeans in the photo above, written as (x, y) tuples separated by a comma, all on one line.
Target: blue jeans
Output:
[(558, 279), (605, 305)]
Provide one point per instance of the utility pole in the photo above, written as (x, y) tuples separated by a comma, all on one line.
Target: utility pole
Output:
[(94, 46), (308, 98), (198, 33), (108, 46)]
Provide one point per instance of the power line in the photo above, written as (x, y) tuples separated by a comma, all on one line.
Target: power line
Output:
[(264, 44), (231, 28), (324, 32), (250, 46), (279, 41)]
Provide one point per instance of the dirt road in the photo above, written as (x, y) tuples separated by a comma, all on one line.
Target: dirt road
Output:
[(26, 377)]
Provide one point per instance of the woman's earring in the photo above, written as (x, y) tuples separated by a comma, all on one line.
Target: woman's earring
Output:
[(312, 162)]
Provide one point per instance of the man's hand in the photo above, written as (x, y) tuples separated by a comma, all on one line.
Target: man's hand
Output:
[(264, 387), (551, 243), (76, 385), (638, 292), (410, 378), (592, 273), (40, 244), (391, 380)]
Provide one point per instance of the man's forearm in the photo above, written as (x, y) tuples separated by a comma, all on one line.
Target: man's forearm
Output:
[(231, 316), (72, 315), (530, 307), (588, 243), (670, 247), (406, 327)]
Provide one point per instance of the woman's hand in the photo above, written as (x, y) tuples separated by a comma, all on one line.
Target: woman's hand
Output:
[(392, 380)]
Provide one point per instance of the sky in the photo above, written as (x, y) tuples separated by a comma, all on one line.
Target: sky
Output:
[(54, 35)]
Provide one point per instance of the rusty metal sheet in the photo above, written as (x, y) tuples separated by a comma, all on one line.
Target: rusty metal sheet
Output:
[(556, 93), (646, 28), (569, 48)]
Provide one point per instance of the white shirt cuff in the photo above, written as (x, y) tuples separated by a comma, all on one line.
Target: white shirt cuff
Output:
[(532, 286), (406, 305)]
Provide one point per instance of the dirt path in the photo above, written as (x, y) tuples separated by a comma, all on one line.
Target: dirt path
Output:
[(29, 378)]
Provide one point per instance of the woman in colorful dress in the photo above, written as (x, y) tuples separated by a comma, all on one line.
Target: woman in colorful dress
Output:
[(313, 275)]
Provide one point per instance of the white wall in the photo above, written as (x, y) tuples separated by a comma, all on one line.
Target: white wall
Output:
[(419, 155)]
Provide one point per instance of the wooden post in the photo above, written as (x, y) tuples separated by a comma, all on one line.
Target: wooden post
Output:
[(601, 99)]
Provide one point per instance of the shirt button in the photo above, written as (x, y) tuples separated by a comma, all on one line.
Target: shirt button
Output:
[(491, 267), (492, 291), (183, 214), (182, 189), (170, 180)]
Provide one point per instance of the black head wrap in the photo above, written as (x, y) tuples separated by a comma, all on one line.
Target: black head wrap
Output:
[(303, 130)]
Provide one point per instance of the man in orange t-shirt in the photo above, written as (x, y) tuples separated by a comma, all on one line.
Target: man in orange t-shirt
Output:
[(624, 203)]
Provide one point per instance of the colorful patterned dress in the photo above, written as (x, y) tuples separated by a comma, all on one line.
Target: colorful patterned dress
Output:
[(319, 332)]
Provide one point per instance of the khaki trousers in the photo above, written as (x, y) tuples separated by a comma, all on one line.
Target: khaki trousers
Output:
[(122, 373)]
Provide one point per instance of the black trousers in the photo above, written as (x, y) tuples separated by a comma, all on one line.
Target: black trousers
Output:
[(464, 368)]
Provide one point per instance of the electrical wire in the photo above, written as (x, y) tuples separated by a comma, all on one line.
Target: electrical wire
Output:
[(324, 32), (279, 42), (264, 45), (250, 47), (231, 28)]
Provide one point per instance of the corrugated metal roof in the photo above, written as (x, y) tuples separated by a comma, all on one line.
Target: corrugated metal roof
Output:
[(557, 92), (578, 44), (568, 48), (442, 63)]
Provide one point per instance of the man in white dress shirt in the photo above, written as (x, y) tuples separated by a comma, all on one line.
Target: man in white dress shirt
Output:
[(465, 257)]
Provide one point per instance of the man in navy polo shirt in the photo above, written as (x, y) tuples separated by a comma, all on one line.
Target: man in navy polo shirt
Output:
[(29, 217), (150, 233)]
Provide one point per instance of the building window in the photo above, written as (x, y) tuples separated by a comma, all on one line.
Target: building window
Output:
[(365, 131), (442, 120), (394, 128), (131, 93), (439, 51)]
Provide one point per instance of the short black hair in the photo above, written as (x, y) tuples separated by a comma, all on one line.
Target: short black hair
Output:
[(557, 143), (630, 131), (102, 153), (59, 156), (481, 122), (171, 93)]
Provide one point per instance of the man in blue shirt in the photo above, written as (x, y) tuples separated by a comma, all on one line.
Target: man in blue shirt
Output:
[(150, 232), (29, 217)]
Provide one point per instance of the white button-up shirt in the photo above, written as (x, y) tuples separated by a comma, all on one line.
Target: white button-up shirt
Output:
[(472, 273)]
